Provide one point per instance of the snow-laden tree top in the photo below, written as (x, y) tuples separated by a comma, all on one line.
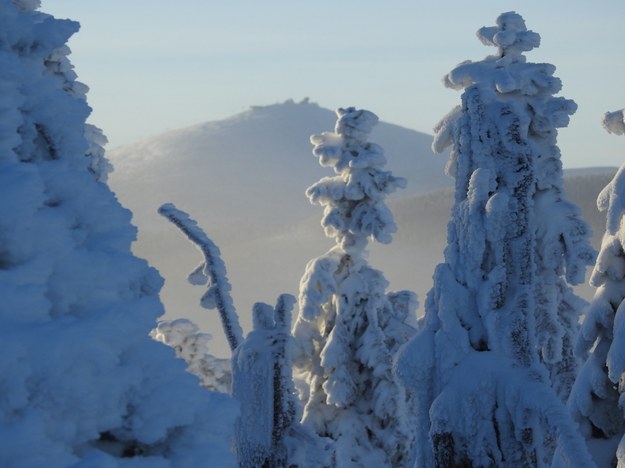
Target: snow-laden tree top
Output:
[(510, 36), (353, 201), (347, 146), (507, 70)]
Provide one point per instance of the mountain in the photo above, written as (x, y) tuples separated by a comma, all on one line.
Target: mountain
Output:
[(256, 162), (243, 179)]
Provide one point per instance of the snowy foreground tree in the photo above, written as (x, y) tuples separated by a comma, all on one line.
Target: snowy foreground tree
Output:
[(348, 327), (597, 401), (494, 360), (81, 381)]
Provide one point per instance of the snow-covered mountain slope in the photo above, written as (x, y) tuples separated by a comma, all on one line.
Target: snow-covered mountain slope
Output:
[(256, 164), (243, 179)]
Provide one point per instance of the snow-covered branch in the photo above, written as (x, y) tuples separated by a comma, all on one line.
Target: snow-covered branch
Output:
[(211, 272)]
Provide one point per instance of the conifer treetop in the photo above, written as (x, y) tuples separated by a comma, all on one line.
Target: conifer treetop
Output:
[(507, 71), (510, 36), (355, 124), (353, 200), (352, 129)]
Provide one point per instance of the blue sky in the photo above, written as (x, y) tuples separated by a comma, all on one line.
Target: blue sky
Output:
[(156, 66)]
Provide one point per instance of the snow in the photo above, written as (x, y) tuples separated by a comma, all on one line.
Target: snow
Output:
[(269, 433), (349, 327), (211, 272), (83, 384), (191, 344), (211, 165), (614, 122), (501, 317), (89, 381), (510, 35), (253, 386), (596, 401)]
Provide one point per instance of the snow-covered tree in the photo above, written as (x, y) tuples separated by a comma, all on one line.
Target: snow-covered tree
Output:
[(348, 327), (191, 344), (494, 359), (81, 381), (597, 401)]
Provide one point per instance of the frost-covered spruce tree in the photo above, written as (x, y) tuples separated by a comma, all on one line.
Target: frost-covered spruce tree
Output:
[(597, 400), (493, 361), (81, 381), (348, 327)]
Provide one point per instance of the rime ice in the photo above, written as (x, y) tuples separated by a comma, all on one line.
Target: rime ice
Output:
[(349, 327), (501, 317), (82, 383), (596, 401)]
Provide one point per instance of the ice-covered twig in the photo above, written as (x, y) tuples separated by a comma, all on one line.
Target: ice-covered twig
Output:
[(213, 270)]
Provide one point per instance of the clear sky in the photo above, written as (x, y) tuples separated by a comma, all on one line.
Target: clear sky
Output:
[(154, 66)]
